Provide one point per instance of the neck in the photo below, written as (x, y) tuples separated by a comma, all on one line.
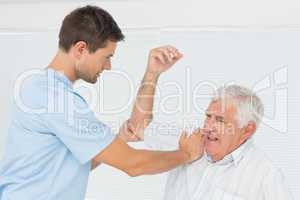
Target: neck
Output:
[(216, 158), (64, 63)]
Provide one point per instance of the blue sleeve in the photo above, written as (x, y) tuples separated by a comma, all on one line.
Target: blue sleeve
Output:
[(78, 128)]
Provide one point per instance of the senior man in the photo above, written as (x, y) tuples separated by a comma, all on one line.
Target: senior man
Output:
[(232, 167)]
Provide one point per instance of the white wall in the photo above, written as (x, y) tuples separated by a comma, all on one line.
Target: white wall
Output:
[(35, 15), (245, 42)]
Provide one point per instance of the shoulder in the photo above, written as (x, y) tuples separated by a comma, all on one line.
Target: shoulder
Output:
[(30, 89), (259, 161)]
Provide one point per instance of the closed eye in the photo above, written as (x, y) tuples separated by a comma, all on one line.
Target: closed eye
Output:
[(108, 57)]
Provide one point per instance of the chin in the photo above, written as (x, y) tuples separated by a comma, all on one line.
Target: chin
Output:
[(212, 145), (211, 153), (208, 152), (211, 150), (92, 81)]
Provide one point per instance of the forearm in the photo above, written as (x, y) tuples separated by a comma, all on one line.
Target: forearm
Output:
[(155, 162), (142, 112), (138, 162)]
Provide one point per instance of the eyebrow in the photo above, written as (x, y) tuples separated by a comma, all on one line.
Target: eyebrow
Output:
[(207, 113)]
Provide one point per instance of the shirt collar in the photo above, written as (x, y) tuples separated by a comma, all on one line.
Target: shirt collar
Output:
[(59, 75), (235, 156)]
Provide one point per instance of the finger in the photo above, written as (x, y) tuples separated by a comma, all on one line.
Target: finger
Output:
[(168, 55), (139, 138), (195, 134), (160, 57), (172, 51), (130, 125), (171, 48), (183, 135), (177, 57), (175, 52), (198, 131), (135, 138)]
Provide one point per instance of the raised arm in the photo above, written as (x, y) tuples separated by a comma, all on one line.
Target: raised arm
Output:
[(160, 60)]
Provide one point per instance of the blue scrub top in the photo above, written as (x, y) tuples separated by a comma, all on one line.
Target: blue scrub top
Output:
[(51, 141)]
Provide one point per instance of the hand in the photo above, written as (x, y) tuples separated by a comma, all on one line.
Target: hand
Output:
[(127, 133), (193, 145), (162, 58)]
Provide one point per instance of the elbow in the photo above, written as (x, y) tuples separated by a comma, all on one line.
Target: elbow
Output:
[(134, 171), (136, 166)]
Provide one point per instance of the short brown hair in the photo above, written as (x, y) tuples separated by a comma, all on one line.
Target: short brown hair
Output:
[(90, 24)]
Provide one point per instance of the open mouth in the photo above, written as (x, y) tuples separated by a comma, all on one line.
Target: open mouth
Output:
[(212, 138)]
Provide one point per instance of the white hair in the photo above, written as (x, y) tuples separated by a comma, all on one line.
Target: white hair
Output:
[(248, 104)]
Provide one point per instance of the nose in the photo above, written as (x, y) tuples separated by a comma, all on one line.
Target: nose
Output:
[(209, 123)]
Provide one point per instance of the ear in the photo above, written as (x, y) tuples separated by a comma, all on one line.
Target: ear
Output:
[(79, 48), (249, 130)]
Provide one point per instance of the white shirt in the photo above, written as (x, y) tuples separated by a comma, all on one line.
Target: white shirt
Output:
[(245, 174)]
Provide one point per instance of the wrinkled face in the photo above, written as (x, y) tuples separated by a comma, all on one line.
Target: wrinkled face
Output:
[(91, 65), (221, 128)]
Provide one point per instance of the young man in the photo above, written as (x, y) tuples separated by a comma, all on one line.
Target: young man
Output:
[(55, 139)]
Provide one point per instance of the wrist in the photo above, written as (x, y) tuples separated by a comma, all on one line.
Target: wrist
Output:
[(185, 156), (151, 78), (152, 74)]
